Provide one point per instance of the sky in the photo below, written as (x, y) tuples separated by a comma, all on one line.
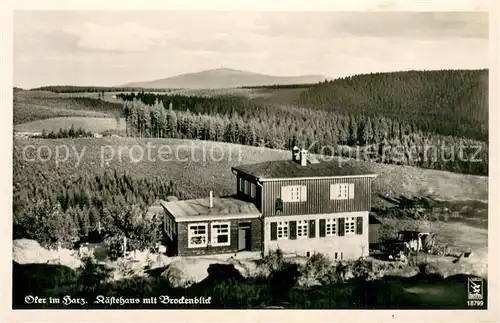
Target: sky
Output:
[(109, 48)]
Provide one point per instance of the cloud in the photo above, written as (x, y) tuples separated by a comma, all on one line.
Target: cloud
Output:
[(112, 48), (416, 25), (124, 37)]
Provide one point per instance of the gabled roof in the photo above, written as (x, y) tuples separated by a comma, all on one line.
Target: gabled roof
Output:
[(199, 209), (281, 169)]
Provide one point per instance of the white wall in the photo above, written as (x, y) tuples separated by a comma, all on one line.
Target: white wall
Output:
[(352, 246)]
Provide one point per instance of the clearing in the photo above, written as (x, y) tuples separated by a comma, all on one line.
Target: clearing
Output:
[(206, 166), (94, 124)]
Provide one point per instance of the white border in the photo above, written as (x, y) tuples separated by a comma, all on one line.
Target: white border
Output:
[(8, 315)]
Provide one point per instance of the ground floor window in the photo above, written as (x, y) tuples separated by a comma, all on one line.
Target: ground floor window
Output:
[(283, 230), (197, 235), (350, 225), (302, 229), (331, 227), (220, 234)]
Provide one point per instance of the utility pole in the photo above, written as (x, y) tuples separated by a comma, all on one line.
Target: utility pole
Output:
[(124, 246)]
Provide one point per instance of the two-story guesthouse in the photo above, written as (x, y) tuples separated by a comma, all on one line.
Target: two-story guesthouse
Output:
[(300, 205)]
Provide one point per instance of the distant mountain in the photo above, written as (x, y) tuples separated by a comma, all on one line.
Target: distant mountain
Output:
[(224, 78)]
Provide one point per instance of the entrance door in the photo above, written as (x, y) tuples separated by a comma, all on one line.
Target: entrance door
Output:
[(244, 236)]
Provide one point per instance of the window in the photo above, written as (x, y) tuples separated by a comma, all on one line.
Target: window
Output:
[(302, 229), (252, 190), (247, 187), (283, 230), (341, 191), (169, 226), (220, 234), (240, 184), (331, 227), (294, 193), (350, 225), (197, 235)]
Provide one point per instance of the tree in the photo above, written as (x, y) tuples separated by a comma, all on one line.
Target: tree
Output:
[(368, 132)]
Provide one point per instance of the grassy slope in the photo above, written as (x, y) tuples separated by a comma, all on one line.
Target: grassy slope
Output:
[(27, 113), (39, 105), (283, 96), (204, 174), (90, 123)]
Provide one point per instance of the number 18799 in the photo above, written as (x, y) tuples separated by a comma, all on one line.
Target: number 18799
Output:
[(475, 303)]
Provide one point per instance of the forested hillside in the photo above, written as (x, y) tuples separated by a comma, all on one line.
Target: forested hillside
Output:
[(242, 121), (63, 206), (448, 102)]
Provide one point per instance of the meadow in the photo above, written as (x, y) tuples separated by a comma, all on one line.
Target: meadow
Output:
[(31, 106), (198, 173), (95, 123)]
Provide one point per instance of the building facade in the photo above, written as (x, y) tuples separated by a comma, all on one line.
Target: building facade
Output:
[(300, 206)]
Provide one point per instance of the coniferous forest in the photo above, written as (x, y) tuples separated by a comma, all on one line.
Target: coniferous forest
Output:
[(71, 208), (423, 119)]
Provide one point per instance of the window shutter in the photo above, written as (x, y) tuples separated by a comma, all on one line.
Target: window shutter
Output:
[(334, 191), (274, 230), (359, 225), (312, 228), (292, 228), (285, 193), (322, 227), (351, 190), (303, 193), (341, 228)]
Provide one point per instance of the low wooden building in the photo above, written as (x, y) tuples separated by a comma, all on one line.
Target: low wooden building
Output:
[(300, 206), (212, 225)]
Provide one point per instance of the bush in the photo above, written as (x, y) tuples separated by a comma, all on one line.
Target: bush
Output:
[(115, 247), (361, 269), (92, 276), (246, 294), (274, 261), (315, 270)]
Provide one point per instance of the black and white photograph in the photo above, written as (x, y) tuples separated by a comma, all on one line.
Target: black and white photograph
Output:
[(257, 159)]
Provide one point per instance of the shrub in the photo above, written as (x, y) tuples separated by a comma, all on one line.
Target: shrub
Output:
[(239, 294), (92, 275), (115, 247), (274, 261), (315, 270), (361, 269)]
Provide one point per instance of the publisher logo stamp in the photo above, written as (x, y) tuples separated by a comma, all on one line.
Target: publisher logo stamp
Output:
[(475, 288)]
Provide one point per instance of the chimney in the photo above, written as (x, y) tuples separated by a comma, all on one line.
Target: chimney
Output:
[(303, 157), (211, 199)]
